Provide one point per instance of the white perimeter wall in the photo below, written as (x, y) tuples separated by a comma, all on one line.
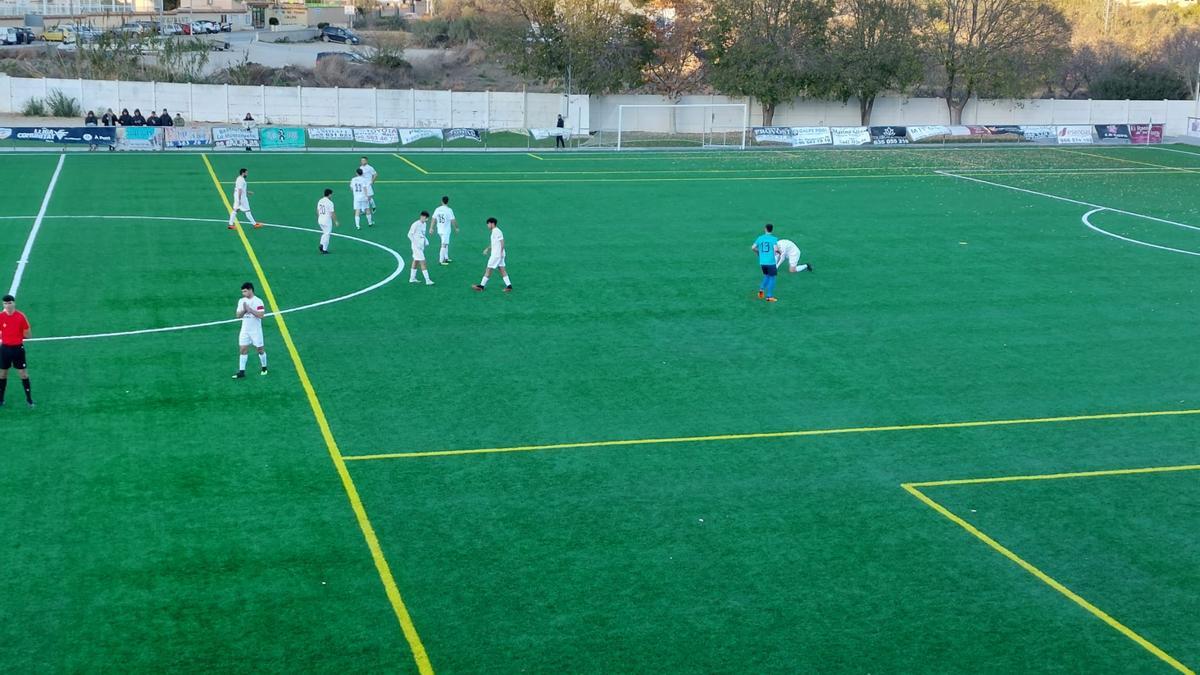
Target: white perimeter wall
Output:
[(315, 106)]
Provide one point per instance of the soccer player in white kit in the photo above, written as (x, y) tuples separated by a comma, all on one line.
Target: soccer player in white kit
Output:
[(498, 251), (443, 218), (241, 201), (251, 311), (416, 235), (370, 174), (787, 250), (360, 187), (326, 220)]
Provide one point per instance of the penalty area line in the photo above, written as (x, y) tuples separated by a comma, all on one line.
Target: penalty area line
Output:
[(37, 225), (409, 162), (778, 434)]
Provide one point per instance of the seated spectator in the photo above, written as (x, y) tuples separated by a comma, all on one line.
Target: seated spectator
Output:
[(90, 120), (125, 119), (179, 120), (153, 121), (248, 121), (165, 119), (109, 119), (138, 120)]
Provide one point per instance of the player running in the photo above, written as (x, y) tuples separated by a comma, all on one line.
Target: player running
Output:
[(370, 174), (787, 250), (496, 260), (416, 235), (443, 218), (251, 311), (241, 201), (360, 187), (326, 220), (764, 246)]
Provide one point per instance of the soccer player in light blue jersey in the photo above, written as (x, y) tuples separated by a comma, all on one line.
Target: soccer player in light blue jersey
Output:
[(764, 246)]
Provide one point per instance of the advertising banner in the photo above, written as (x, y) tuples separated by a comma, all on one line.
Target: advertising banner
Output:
[(1118, 133), (271, 138), (463, 133), (969, 130), (1074, 134), (184, 137), (5, 132), (923, 132), (811, 136), (1001, 129), (773, 135), (331, 134), (234, 137), (850, 135), (67, 135), (1146, 133), (1193, 127), (889, 135), (413, 135), (139, 138), (1039, 133), (542, 134), (384, 136)]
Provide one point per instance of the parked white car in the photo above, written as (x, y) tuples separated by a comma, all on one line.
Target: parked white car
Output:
[(8, 36)]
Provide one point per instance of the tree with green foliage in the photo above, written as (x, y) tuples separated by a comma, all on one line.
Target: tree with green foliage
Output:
[(772, 50), (1000, 48), (874, 48), (676, 67), (1135, 80), (594, 45)]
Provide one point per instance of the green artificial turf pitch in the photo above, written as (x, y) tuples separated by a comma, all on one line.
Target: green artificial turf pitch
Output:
[(159, 516)]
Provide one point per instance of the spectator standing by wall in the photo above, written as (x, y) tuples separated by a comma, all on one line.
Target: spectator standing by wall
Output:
[(125, 119), (558, 139), (165, 119), (138, 119)]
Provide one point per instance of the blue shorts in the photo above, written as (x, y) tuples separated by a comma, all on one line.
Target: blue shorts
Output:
[(770, 270)]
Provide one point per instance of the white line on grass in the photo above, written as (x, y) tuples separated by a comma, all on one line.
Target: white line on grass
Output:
[(395, 273), (1068, 199), (1087, 221), (37, 225)]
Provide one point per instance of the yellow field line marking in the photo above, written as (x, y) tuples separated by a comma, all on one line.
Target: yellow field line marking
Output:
[(360, 512), (1048, 580), (410, 163), (1127, 161), (1058, 476), (777, 434), (1131, 171), (542, 159)]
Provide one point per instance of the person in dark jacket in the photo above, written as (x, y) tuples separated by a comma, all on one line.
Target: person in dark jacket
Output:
[(153, 121), (138, 120), (558, 140), (165, 119), (125, 119), (108, 119), (90, 120)]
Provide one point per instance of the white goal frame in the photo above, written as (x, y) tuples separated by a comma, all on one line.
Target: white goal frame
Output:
[(745, 108)]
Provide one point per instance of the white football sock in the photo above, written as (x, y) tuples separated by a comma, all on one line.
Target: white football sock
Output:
[(484, 281), (370, 218), (426, 273), (251, 217), (506, 281), (232, 217), (356, 220), (262, 358), (242, 358)]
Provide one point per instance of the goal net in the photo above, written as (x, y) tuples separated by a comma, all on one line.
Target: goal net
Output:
[(685, 125)]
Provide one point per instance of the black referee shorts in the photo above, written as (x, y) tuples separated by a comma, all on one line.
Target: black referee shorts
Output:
[(12, 357)]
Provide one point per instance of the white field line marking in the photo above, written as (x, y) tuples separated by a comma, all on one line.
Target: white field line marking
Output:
[(1068, 199), (1087, 221), (37, 225), (395, 273), (1182, 152)]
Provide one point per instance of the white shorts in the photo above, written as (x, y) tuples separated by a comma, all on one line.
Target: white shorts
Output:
[(362, 204), (250, 337), (243, 205), (444, 236), (496, 261), (418, 255)]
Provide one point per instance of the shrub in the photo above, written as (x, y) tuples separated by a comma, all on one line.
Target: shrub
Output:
[(323, 25), (34, 107), (61, 105)]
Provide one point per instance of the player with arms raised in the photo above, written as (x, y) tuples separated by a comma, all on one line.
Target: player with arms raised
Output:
[(251, 311), (241, 201)]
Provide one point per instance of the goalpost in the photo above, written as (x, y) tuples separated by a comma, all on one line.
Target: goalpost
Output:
[(708, 125)]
